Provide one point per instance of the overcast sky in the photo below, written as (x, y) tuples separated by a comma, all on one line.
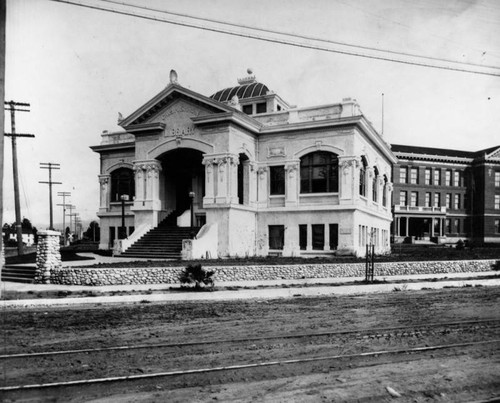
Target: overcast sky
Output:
[(79, 67)]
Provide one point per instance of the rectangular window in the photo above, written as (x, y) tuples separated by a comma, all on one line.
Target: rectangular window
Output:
[(414, 199), (448, 200), (277, 175), (334, 236), (457, 202), (402, 174), (448, 226), (437, 177), (497, 179), (414, 176), (303, 236), (447, 179), (402, 198), (112, 236), (456, 178), (457, 225), (437, 200), (318, 236), (276, 236), (247, 109), (428, 175), (497, 202), (427, 199), (261, 107), (497, 226)]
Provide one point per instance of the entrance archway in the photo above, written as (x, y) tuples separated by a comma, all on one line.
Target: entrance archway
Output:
[(183, 173)]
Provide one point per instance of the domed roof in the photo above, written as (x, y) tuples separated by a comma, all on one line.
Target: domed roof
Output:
[(241, 91)]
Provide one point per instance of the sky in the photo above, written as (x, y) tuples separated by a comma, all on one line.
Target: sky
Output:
[(79, 67)]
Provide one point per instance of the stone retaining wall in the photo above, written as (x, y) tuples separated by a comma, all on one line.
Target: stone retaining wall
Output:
[(48, 256), (169, 275)]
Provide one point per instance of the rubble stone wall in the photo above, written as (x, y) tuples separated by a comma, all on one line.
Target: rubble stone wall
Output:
[(170, 275)]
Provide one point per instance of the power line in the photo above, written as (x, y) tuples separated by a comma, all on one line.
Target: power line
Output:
[(311, 38), (293, 43)]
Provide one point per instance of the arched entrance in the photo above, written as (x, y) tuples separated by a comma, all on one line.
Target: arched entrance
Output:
[(183, 181)]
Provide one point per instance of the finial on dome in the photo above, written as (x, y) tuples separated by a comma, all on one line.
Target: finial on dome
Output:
[(173, 77), (248, 80)]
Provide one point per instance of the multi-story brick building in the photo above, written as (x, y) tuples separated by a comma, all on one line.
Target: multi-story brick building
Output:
[(445, 195)]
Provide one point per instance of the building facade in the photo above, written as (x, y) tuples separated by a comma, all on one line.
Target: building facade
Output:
[(258, 175), (444, 195)]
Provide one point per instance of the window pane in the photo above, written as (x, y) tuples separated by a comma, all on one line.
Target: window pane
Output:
[(277, 180), (303, 236), (334, 236), (318, 236), (276, 236)]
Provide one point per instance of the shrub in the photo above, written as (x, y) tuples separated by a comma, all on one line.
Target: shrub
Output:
[(195, 274)]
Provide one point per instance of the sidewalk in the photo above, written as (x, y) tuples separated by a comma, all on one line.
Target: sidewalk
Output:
[(274, 289)]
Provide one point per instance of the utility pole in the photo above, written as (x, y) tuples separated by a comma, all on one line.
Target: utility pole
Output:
[(50, 166), (3, 12), (64, 205), (17, 107)]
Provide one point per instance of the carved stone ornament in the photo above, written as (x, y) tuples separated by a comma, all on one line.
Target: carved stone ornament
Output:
[(103, 180), (390, 187), (262, 171), (370, 172), (381, 181), (275, 152)]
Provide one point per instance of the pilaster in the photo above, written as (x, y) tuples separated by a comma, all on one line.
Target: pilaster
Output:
[(104, 182), (348, 179), (291, 183), (262, 196)]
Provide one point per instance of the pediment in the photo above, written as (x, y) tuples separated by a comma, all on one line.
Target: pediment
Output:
[(494, 155), (173, 103)]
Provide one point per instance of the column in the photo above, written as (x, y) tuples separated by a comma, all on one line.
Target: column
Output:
[(209, 180), (153, 169), (140, 188), (222, 180), (291, 183), (348, 178), (262, 191), (369, 182), (432, 226), (233, 162), (104, 192), (407, 226), (252, 183)]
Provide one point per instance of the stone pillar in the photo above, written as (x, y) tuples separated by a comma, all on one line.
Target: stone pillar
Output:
[(262, 174), (104, 192), (48, 255), (252, 183), (292, 183), (389, 188), (369, 182), (233, 162), (348, 179), (153, 169), (209, 180), (222, 181), (140, 185), (407, 226), (380, 190)]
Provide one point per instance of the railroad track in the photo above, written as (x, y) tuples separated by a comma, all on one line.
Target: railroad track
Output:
[(231, 372), (370, 334)]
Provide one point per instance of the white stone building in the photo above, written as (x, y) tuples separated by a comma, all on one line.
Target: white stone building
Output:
[(267, 177)]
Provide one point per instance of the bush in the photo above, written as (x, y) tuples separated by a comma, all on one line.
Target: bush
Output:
[(195, 274)]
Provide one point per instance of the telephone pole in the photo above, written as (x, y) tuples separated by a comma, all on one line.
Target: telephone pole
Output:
[(17, 107), (50, 166), (70, 215), (64, 205)]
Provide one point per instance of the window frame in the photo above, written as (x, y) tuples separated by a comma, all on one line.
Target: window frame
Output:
[(118, 182), (277, 186), (308, 165)]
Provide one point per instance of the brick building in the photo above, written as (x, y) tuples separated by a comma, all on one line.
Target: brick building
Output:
[(444, 195)]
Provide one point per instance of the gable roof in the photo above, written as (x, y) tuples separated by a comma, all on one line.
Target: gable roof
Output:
[(166, 96)]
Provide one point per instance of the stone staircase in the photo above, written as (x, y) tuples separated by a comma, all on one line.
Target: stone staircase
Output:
[(18, 274), (162, 242)]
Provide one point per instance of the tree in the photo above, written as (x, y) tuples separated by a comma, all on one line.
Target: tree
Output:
[(26, 224), (93, 232)]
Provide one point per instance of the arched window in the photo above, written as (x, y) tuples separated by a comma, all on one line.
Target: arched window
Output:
[(375, 185), (319, 172), (362, 177), (122, 183)]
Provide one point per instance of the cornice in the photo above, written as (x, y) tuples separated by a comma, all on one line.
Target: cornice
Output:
[(113, 147)]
